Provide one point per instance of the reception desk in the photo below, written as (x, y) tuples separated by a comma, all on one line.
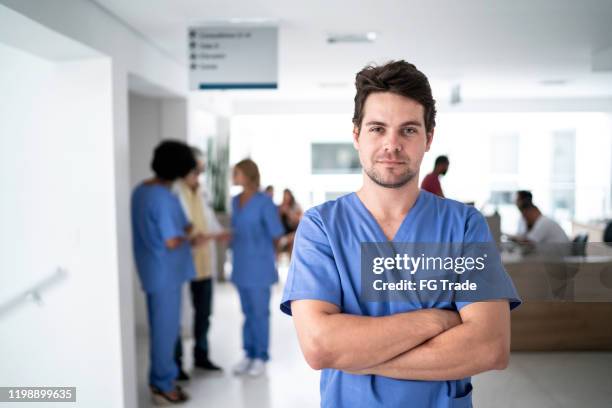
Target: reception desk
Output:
[(567, 302), (562, 326)]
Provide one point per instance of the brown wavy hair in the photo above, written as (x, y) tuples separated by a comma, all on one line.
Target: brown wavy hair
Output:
[(399, 77)]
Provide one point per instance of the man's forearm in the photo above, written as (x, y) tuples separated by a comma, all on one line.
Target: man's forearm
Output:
[(465, 350), (353, 342)]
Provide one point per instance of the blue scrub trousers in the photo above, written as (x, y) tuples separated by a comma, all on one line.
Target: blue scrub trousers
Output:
[(164, 309), (255, 302)]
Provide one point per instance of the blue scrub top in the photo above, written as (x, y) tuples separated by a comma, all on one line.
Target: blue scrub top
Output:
[(157, 216), (254, 227), (325, 266)]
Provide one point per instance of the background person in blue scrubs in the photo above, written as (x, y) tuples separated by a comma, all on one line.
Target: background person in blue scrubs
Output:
[(256, 226), (163, 258), (391, 354)]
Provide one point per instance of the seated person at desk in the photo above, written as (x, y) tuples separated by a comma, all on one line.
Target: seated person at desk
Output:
[(522, 197), (539, 229)]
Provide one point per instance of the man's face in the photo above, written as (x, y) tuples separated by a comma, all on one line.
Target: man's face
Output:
[(392, 139), (519, 201), (192, 179)]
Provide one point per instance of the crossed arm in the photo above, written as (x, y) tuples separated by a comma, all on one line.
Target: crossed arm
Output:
[(427, 344)]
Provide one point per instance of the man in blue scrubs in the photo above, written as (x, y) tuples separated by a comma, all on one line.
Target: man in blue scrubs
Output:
[(391, 354)]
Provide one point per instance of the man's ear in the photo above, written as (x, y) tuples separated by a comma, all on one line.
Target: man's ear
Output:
[(356, 137), (429, 139)]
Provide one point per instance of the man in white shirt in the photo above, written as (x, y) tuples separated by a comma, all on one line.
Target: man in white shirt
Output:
[(204, 221), (541, 230), (550, 243), (521, 198)]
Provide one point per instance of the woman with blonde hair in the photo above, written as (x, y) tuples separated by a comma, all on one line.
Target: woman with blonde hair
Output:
[(256, 227)]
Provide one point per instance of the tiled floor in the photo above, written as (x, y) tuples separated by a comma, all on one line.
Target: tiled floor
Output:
[(539, 380)]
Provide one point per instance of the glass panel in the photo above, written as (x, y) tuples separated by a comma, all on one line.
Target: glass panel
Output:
[(334, 158), (504, 153)]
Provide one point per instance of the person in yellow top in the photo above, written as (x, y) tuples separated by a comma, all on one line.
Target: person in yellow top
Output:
[(204, 222)]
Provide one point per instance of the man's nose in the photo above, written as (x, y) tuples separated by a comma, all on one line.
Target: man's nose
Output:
[(393, 142)]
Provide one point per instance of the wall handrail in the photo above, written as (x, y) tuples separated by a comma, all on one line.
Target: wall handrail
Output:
[(34, 292)]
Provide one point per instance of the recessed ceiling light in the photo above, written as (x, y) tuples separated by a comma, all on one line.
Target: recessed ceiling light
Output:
[(553, 82), (335, 85), (367, 37), (252, 20), (237, 21)]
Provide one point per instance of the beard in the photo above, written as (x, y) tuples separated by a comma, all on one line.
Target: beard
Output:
[(397, 181)]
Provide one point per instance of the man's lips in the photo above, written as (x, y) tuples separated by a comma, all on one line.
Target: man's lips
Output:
[(391, 161)]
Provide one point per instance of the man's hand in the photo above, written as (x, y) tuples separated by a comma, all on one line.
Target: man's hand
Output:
[(480, 343), (200, 239), (330, 339), (173, 243), (224, 236)]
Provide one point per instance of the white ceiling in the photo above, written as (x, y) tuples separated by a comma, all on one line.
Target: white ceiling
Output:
[(493, 48)]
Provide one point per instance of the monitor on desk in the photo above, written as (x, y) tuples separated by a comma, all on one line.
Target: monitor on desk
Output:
[(494, 222)]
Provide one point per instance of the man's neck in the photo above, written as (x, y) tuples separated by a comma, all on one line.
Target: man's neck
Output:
[(532, 219), (158, 181), (388, 202)]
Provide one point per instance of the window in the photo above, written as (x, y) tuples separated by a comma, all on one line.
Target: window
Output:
[(504, 153), (563, 173), (334, 158)]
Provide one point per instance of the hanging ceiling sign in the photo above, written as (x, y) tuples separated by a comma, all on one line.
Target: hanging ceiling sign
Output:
[(233, 57)]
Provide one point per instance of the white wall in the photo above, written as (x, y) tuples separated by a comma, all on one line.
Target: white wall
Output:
[(58, 210), (145, 133), (87, 23)]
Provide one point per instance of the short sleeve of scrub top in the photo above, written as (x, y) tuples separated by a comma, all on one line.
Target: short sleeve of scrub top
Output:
[(157, 216), (312, 273), (171, 224), (271, 219)]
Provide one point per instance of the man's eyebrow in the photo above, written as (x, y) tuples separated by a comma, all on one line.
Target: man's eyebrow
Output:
[(411, 123), (375, 122), (408, 123)]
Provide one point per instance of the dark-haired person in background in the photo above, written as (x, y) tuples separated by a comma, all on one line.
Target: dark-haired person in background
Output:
[(536, 228), (290, 213), (162, 252), (431, 182), (521, 199), (269, 190)]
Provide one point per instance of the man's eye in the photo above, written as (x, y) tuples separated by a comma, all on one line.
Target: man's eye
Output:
[(376, 129), (409, 131)]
